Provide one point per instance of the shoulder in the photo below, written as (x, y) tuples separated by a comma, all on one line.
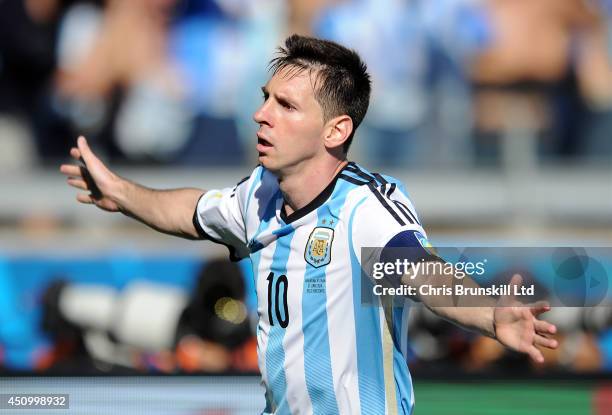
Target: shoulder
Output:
[(257, 196), (260, 183), (380, 209), (381, 197)]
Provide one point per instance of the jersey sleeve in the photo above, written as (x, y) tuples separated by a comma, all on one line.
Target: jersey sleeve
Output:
[(387, 219), (220, 216), (382, 216), (383, 222)]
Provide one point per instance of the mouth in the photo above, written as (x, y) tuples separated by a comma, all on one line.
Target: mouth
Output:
[(262, 143)]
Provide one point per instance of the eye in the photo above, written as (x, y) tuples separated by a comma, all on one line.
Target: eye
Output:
[(286, 105)]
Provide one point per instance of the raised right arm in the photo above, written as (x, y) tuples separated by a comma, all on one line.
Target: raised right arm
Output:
[(168, 211)]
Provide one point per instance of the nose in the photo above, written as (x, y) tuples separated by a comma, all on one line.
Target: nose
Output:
[(261, 116)]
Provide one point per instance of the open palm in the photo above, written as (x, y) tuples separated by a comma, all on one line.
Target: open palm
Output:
[(517, 325)]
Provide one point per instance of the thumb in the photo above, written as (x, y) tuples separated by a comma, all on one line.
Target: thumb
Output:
[(516, 280), (92, 163), (509, 299), (94, 170)]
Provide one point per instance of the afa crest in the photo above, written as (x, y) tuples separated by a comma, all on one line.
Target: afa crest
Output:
[(318, 247)]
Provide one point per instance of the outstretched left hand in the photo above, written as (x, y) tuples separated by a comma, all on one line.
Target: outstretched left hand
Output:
[(518, 328)]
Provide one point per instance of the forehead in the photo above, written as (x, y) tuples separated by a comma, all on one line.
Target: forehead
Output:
[(296, 82)]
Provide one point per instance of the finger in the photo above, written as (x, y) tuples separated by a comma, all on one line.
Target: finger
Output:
[(85, 198), (545, 342), (539, 308), (78, 183), (71, 170), (86, 153), (544, 327), (75, 153), (535, 354)]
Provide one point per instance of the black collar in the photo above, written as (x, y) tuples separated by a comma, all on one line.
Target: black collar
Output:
[(314, 203)]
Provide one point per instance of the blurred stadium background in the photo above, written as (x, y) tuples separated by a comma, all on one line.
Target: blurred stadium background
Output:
[(496, 114)]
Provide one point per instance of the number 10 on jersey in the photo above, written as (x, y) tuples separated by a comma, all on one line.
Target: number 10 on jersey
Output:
[(277, 290)]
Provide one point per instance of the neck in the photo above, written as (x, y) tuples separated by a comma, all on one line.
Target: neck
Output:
[(301, 186)]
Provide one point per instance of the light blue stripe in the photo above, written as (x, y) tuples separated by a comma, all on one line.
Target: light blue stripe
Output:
[(398, 312), (252, 189), (275, 353), (354, 176), (255, 259), (317, 356), (250, 196), (369, 342), (403, 383)]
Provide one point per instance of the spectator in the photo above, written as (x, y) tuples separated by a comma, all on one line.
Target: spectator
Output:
[(28, 30), (119, 84), (527, 83)]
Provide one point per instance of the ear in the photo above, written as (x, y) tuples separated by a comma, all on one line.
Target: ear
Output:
[(338, 130)]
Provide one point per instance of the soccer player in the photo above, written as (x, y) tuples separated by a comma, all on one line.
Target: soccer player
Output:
[(302, 217)]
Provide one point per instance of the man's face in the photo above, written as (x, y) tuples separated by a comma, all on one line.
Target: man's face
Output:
[(290, 122)]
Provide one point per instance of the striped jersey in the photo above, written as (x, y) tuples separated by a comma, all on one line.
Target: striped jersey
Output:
[(320, 350)]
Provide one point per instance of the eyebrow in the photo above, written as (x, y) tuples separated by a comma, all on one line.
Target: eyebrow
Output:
[(282, 98)]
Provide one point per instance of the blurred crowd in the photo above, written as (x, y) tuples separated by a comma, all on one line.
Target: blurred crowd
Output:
[(457, 83), (584, 336)]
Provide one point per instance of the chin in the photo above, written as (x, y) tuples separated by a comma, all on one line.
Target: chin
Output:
[(265, 161), (269, 164)]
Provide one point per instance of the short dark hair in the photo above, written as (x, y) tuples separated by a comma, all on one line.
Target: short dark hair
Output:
[(342, 82)]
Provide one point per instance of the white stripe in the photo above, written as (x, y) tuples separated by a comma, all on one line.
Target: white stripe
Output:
[(341, 317), (411, 393), (293, 342), (388, 367)]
